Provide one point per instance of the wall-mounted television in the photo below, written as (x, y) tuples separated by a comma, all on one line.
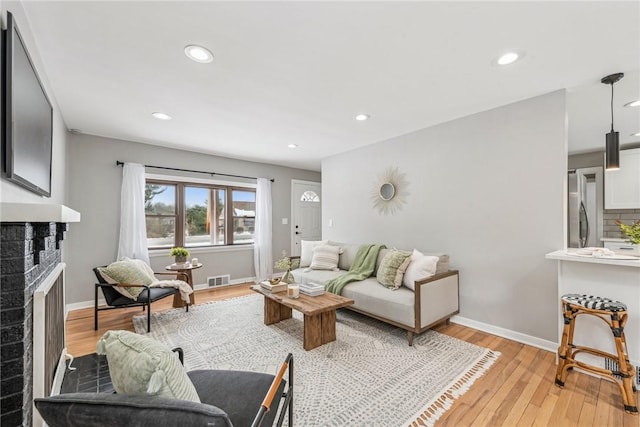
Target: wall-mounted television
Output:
[(27, 117)]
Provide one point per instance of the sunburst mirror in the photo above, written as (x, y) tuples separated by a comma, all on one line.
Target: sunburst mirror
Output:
[(389, 192)]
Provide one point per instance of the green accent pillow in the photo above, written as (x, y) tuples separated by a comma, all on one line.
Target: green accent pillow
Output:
[(392, 268), (129, 271), (141, 365)]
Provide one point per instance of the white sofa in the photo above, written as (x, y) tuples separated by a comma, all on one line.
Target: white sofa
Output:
[(434, 300)]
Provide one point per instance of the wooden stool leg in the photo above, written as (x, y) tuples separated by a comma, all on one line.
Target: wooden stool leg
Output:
[(627, 371), (563, 350)]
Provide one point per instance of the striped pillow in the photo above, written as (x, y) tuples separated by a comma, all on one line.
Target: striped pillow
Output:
[(306, 250), (325, 257), (141, 365)]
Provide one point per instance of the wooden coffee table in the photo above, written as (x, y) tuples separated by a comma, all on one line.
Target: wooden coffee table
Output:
[(319, 313)]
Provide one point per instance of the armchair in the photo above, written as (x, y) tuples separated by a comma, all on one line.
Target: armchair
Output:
[(227, 398), (115, 299)]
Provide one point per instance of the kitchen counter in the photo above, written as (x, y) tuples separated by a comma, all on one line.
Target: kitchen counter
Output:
[(618, 279), (571, 255)]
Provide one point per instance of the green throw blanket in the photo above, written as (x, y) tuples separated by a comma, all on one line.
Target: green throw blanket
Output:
[(363, 266)]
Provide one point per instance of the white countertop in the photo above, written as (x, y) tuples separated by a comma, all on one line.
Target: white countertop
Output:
[(571, 255)]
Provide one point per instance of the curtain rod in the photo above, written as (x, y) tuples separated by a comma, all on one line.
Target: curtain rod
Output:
[(119, 163)]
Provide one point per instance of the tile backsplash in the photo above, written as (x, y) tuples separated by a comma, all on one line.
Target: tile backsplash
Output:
[(628, 216)]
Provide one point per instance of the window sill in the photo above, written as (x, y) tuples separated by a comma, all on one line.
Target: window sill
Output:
[(157, 253)]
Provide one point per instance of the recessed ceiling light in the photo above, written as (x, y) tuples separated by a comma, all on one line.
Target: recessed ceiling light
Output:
[(292, 145), (508, 58), (635, 134), (161, 116), (633, 104), (362, 117), (198, 53)]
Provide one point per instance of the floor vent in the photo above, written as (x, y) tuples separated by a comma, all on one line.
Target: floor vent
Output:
[(614, 366), (222, 280)]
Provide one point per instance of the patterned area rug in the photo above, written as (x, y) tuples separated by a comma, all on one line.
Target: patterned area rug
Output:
[(369, 376)]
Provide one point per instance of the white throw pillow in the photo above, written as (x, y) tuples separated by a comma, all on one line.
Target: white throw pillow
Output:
[(306, 250), (325, 257), (420, 267)]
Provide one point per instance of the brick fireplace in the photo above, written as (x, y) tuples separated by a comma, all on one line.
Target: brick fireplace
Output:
[(30, 253)]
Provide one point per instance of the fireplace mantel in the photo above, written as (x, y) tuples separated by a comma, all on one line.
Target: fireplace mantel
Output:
[(36, 212)]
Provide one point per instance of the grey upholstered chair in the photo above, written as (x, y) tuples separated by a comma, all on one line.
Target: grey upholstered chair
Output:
[(228, 398)]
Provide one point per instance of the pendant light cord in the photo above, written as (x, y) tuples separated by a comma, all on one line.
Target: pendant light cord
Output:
[(611, 107)]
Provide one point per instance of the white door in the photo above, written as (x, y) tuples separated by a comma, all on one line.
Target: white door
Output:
[(306, 213)]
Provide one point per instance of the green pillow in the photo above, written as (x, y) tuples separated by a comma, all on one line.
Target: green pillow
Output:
[(141, 365), (129, 271), (392, 268)]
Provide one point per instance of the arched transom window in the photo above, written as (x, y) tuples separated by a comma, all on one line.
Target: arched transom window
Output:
[(309, 196)]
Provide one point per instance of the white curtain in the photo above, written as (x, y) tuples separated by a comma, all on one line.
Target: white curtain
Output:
[(262, 253), (133, 229)]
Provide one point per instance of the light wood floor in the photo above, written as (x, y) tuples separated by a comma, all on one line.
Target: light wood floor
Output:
[(518, 390)]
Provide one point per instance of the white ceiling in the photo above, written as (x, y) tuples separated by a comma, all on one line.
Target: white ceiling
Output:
[(298, 72)]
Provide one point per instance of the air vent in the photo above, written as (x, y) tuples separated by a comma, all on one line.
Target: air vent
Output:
[(222, 280), (614, 366)]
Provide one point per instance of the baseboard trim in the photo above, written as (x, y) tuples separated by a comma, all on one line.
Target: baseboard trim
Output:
[(507, 333), (83, 304), (89, 304)]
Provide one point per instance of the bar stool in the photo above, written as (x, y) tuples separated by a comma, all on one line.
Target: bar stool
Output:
[(613, 313)]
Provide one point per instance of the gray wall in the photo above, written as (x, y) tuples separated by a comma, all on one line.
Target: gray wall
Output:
[(586, 160), (487, 189), (94, 191), (10, 192)]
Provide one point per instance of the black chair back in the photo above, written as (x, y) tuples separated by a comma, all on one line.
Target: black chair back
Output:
[(110, 294)]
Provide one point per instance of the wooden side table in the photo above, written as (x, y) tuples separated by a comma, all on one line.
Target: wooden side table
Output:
[(187, 268)]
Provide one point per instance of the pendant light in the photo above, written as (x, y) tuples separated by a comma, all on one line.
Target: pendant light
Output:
[(612, 156)]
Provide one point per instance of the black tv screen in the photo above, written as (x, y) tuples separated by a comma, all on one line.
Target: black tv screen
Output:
[(27, 119)]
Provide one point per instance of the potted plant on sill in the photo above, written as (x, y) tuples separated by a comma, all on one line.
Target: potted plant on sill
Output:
[(180, 254)]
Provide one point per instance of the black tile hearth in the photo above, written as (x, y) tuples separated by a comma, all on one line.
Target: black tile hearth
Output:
[(91, 375)]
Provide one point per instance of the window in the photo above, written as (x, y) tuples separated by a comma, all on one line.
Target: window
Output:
[(204, 216), (244, 215), (161, 215), (197, 215), (309, 196)]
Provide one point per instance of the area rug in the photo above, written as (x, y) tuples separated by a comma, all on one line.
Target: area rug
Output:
[(369, 376)]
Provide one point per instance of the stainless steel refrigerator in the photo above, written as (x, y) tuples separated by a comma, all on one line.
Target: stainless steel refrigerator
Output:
[(586, 204)]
